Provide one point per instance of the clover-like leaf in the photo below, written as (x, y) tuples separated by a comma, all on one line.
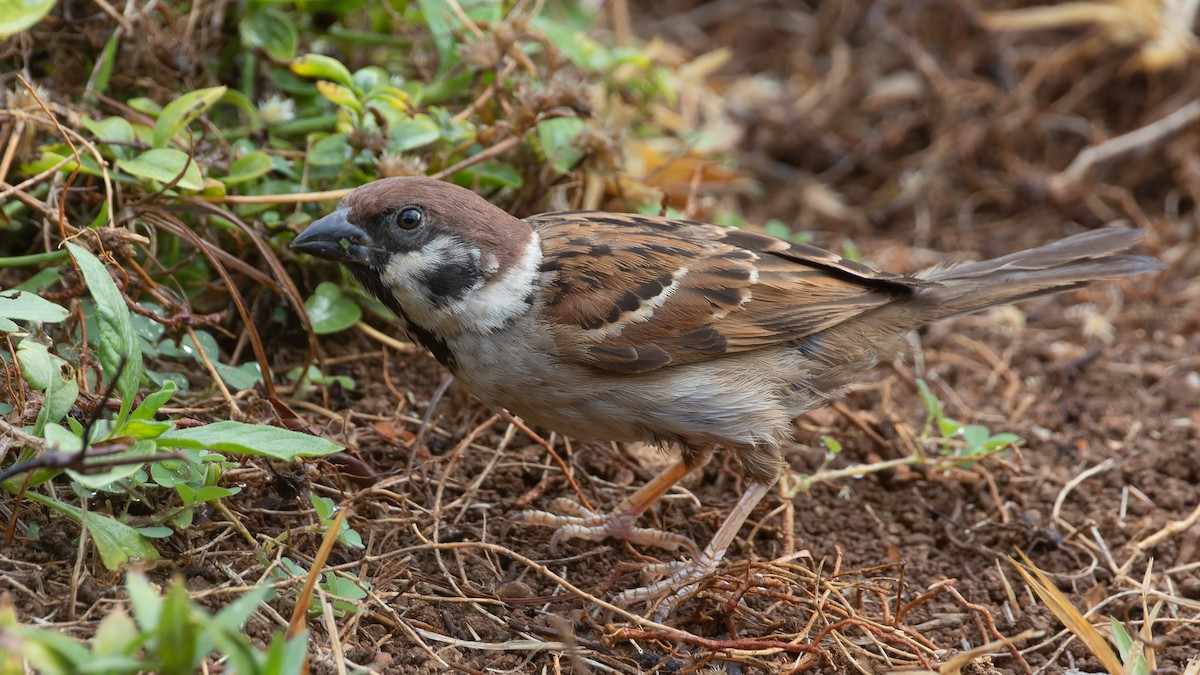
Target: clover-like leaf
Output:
[(330, 310)]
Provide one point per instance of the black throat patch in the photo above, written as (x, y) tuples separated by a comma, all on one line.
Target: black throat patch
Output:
[(419, 334)]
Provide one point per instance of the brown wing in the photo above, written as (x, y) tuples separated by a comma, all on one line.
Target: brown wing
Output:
[(630, 293)]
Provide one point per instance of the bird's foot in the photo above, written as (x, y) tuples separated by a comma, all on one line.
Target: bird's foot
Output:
[(620, 524), (682, 578)]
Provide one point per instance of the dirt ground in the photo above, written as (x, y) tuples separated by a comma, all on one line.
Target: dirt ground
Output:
[(913, 132)]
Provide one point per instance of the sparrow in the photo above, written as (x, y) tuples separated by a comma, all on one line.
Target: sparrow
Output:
[(624, 327)]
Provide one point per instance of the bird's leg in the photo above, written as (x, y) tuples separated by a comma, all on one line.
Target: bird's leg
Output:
[(685, 576), (621, 522)]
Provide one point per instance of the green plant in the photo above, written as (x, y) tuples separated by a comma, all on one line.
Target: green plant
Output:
[(344, 588), (138, 450), (970, 442), (167, 634), (960, 446), (325, 511)]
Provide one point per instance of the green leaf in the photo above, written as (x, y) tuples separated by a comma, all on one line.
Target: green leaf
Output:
[(240, 377), (317, 377), (831, 444), (250, 439), (117, 338), (242, 654), (161, 379), (331, 150), (26, 306), (933, 407), (208, 493), (373, 79), (183, 520), (390, 103), (948, 427), (347, 589), (182, 111), (438, 16), (36, 366), (47, 651), (974, 436), (284, 655), (490, 174), (1001, 440), (62, 439), (576, 45), (150, 405), (330, 310), (144, 601), (850, 250), (116, 542), (324, 68), (107, 665), (117, 635), (177, 632), (60, 395), (165, 165), (340, 95), (17, 15), (44, 278), (350, 538), (169, 474), (102, 479), (101, 75), (1120, 637), (234, 615), (53, 376), (111, 130), (145, 105), (556, 137), (324, 506), (413, 133), (141, 430), (248, 167), (271, 30), (114, 132)]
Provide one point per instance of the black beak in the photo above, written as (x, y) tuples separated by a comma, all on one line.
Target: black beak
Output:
[(333, 237)]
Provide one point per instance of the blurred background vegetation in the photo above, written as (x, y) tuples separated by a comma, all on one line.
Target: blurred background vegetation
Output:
[(154, 367)]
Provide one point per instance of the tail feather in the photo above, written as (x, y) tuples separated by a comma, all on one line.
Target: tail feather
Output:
[(1058, 266)]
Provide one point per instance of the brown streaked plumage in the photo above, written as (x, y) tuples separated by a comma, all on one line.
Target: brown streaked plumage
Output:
[(634, 328), (718, 290)]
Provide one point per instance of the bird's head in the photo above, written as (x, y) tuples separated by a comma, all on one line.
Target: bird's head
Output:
[(439, 255)]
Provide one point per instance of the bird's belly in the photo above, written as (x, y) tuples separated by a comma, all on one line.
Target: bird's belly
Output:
[(740, 400)]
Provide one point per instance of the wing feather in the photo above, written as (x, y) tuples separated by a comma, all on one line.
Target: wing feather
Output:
[(630, 293)]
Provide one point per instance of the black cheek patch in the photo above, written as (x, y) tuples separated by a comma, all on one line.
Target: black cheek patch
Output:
[(452, 281)]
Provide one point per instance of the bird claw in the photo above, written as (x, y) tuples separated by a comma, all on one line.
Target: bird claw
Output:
[(682, 580), (600, 526)]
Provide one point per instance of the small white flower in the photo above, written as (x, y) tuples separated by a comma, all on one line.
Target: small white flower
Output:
[(277, 110)]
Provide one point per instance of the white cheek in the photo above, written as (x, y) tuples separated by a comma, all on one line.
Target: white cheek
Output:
[(485, 307), (495, 303), (406, 275)]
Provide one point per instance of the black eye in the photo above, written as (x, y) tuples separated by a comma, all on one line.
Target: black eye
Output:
[(410, 217)]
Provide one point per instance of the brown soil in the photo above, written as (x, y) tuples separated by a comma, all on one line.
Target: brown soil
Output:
[(933, 137)]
